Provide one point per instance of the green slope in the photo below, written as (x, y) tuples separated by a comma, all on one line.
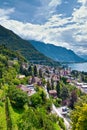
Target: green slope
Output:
[(14, 42)]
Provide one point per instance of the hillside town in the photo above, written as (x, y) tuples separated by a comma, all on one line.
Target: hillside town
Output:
[(54, 74), (43, 64), (48, 78), (46, 91)]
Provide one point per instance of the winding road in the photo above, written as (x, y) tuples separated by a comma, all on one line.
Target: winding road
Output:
[(67, 124)]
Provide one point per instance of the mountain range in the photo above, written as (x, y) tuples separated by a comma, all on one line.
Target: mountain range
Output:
[(14, 42), (35, 51), (84, 56), (56, 53)]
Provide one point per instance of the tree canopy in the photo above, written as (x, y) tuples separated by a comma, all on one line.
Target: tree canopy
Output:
[(79, 118)]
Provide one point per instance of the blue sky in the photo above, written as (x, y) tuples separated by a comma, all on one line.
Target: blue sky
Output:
[(60, 22)]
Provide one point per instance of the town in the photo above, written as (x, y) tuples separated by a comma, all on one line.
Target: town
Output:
[(48, 78), (31, 93)]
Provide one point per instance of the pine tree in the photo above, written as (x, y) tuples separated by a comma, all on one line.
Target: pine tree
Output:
[(48, 86), (52, 84), (30, 70), (40, 73), (35, 70), (58, 89)]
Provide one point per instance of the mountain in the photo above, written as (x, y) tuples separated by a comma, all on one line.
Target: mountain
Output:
[(84, 57), (57, 53), (14, 42)]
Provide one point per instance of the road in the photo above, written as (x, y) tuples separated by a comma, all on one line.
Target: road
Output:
[(67, 124)]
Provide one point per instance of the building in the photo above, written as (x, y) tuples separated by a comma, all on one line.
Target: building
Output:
[(53, 93), (29, 89)]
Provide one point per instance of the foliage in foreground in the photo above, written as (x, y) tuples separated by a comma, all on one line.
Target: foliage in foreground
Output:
[(79, 118)]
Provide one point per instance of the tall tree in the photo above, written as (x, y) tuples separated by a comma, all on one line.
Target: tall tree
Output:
[(48, 86), (40, 73), (73, 99), (30, 70), (35, 70), (64, 93), (58, 88), (52, 84)]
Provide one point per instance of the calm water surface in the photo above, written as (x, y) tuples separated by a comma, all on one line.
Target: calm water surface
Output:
[(79, 66)]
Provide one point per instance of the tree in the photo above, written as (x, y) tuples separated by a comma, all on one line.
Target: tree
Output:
[(48, 86), (23, 71), (17, 97), (40, 73), (43, 81), (64, 79), (37, 119), (29, 120), (30, 70), (43, 96), (58, 89), (48, 105), (52, 84), (36, 100), (73, 99), (35, 70), (64, 93), (79, 118), (9, 75)]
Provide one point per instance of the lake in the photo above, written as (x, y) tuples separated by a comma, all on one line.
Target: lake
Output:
[(79, 66)]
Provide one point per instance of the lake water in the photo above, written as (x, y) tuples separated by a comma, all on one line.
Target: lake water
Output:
[(79, 66)]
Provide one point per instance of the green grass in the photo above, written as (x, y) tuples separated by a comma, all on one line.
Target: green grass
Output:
[(3, 125)]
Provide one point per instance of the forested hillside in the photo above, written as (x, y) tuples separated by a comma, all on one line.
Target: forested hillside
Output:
[(14, 42)]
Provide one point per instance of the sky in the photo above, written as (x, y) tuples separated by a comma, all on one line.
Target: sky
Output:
[(59, 22)]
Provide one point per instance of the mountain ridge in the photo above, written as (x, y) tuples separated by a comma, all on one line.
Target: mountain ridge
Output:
[(84, 56), (57, 53)]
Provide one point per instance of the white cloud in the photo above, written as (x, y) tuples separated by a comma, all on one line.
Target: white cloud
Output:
[(46, 10), (55, 3), (83, 1), (80, 15), (56, 21), (80, 18), (5, 13), (68, 32), (82, 50)]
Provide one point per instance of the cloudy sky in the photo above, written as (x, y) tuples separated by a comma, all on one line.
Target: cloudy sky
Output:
[(60, 22)]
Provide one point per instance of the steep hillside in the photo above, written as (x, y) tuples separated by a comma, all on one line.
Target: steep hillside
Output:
[(10, 55), (57, 53), (14, 42)]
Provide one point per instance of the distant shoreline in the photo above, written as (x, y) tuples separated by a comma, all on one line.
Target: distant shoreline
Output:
[(73, 62), (82, 66)]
